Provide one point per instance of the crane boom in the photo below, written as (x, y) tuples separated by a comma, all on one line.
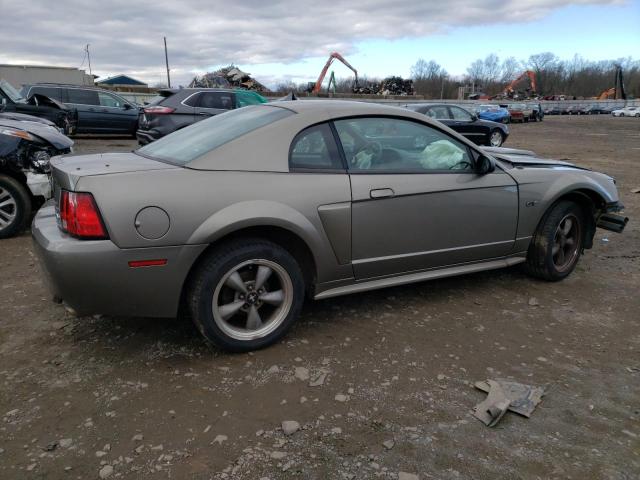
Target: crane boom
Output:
[(323, 73)]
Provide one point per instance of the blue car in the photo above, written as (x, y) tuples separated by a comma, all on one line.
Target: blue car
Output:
[(494, 113)]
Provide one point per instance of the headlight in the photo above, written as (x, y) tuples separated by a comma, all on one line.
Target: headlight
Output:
[(40, 159), (17, 133)]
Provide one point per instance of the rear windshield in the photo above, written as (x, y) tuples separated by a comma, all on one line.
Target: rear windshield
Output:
[(183, 146), (158, 98)]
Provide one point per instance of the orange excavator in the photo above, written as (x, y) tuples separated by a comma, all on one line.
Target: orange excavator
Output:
[(315, 88), (510, 91), (617, 92)]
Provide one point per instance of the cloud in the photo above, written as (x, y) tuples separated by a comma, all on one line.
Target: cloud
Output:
[(126, 36)]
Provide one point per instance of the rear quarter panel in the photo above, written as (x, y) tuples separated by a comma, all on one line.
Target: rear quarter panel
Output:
[(203, 206)]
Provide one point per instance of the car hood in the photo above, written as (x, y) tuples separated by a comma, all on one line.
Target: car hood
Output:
[(526, 158), (45, 132), (23, 117)]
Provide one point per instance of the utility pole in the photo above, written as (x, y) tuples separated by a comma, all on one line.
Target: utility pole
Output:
[(88, 58), (166, 60)]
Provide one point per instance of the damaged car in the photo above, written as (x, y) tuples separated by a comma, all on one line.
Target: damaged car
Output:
[(38, 105), (240, 217), (26, 145)]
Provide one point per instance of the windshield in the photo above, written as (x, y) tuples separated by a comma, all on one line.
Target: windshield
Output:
[(11, 92), (187, 144)]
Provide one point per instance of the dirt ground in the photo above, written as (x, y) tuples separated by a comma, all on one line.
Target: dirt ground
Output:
[(146, 398)]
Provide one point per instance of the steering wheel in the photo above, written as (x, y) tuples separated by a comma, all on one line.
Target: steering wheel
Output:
[(372, 148), (463, 163)]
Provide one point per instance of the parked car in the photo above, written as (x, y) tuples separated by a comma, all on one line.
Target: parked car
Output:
[(627, 112), (99, 110), (608, 109), (242, 215), (26, 145), (572, 110), (481, 132), (537, 113), (37, 105), (493, 113), (173, 109), (592, 110), (520, 112), (555, 110)]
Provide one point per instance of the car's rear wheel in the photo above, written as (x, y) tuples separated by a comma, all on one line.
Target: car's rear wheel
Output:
[(496, 138), (246, 295), (15, 206), (557, 244)]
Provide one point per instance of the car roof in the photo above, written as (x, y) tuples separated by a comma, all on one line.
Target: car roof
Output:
[(197, 89), (262, 152), (331, 109)]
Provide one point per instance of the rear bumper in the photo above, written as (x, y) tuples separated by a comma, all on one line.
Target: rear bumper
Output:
[(147, 136), (93, 276)]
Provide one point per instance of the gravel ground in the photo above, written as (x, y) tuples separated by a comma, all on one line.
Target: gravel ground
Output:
[(146, 398)]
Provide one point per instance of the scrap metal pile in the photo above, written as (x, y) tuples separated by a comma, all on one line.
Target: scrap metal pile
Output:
[(228, 77), (388, 86)]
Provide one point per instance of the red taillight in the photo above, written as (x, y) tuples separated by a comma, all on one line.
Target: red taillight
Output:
[(79, 216), (158, 110)]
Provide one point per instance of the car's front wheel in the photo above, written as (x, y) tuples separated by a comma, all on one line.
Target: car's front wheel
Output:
[(557, 244), (246, 295), (496, 138), (15, 207)]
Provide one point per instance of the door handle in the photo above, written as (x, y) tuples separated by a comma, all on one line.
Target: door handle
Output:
[(382, 193), (205, 114)]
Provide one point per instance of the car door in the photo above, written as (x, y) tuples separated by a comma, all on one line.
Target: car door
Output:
[(464, 123), (417, 201), (87, 103), (116, 115), (213, 103)]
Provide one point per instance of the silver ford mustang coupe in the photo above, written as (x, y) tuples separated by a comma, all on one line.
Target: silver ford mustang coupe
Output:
[(239, 217)]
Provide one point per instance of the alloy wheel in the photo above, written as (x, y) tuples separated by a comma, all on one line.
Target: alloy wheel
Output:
[(8, 208), (496, 139), (566, 242), (252, 299)]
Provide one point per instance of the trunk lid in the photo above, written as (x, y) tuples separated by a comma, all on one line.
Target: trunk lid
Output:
[(66, 171)]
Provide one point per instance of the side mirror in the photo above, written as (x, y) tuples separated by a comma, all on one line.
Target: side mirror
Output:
[(474, 117), (127, 106), (485, 165)]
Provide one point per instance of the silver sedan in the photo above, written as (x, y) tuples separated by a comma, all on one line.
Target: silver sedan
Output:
[(239, 217)]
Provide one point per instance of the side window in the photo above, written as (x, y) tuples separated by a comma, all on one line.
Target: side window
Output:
[(315, 148), (219, 100), (50, 92), (83, 97), (397, 145), (192, 101), (439, 112), (460, 114), (107, 100)]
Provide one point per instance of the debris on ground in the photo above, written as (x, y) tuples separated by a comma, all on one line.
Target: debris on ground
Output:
[(289, 427), (228, 77), (388, 86), (505, 395), (635, 190)]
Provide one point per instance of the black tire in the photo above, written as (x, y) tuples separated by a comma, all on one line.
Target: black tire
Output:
[(209, 279), (541, 259), (14, 216)]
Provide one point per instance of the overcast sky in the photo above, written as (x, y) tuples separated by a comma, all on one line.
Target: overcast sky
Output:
[(291, 39)]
